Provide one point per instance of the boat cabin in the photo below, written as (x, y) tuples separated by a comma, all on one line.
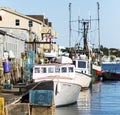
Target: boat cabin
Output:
[(53, 71), (81, 66)]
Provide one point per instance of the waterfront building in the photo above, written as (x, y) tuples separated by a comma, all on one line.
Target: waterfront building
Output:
[(18, 31)]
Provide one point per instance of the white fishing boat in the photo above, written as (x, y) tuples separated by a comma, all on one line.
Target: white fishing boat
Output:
[(96, 72), (65, 88), (83, 72)]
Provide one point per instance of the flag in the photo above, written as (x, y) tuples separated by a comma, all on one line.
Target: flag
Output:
[(48, 36)]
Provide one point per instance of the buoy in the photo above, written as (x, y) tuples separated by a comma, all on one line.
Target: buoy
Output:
[(6, 66)]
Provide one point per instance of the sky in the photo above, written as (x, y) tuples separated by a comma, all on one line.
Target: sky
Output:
[(57, 12)]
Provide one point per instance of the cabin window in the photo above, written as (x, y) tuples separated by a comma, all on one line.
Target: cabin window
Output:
[(70, 69), (43, 70), (37, 70), (50, 70), (57, 70), (64, 69), (17, 22), (81, 64)]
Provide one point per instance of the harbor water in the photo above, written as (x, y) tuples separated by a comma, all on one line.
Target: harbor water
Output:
[(102, 99)]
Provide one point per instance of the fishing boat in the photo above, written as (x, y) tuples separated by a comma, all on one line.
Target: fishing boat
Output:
[(111, 71), (107, 75), (82, 69), (82, 66), (64, 85), (96, 72)]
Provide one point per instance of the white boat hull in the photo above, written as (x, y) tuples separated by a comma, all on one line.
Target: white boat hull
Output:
[(83, 79), (67, 93), (64, 93)]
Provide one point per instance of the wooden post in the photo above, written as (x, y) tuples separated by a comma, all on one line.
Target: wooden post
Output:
[(1, 106), (43, 110)]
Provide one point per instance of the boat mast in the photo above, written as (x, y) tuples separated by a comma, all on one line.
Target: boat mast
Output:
[(85, 25), (98, 6), (78, 26), (69, 25)]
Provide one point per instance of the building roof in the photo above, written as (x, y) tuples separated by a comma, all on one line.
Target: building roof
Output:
[(41, 18), (21, 15)]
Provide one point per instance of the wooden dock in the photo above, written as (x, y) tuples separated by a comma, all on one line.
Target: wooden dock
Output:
[(14, 106)]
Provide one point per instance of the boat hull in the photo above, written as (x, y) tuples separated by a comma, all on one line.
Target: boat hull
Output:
[(83, 79), (64, 93), (96, 73), (111, 76), (67, 93)]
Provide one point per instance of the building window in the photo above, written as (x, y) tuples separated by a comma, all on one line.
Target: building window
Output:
[(17, 22), (30, 23)]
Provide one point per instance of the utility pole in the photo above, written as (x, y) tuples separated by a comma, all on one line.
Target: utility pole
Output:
[(30, 34)]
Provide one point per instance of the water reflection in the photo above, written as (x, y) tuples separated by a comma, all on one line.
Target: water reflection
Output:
[(102, 99)]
